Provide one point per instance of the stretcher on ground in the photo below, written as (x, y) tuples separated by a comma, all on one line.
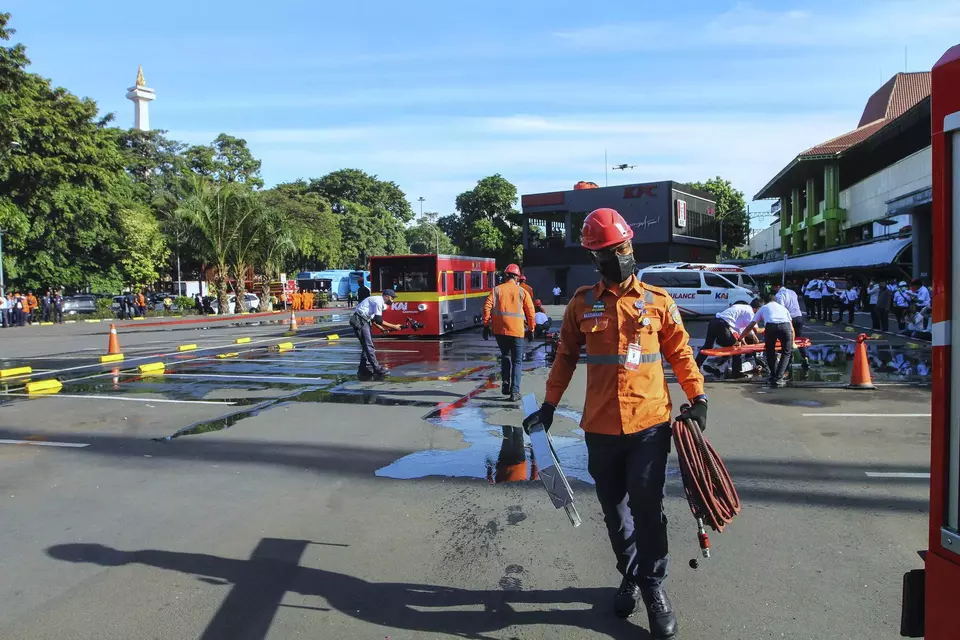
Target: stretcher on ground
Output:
[(799, 343), (551, 475)]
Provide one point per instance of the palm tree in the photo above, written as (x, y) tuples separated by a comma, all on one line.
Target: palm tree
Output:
[(275, 244), (252, 222), (212, 218)]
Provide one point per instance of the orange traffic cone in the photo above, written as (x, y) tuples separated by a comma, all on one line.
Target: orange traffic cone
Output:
[(293, 322), (114, 346), (861, 378)]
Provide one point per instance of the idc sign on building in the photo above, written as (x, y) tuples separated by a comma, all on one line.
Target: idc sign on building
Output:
[(671, 223)]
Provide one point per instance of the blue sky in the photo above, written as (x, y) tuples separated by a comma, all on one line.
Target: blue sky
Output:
[(435, 95)]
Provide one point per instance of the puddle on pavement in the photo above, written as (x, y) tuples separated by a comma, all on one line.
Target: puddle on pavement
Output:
[(833, 363)]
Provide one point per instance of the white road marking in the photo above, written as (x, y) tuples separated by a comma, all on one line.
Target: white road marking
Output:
[(128, 399), (41, 443), (897, 474), (866, 415), (277, 361), (243, 377)]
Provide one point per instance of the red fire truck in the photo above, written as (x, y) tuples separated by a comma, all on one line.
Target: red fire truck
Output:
[(930, 595), (436, 294)]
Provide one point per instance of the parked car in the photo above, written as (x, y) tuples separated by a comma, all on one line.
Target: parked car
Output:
[(251, 303), (83, 303)]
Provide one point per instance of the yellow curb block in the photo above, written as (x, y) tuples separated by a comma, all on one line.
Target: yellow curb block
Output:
[(139, 318), (227, 355), (44, 386), (16, 371), (912, 345), (151, 367), (828, 324), (333, 336), (876, 336), (93, 320), (289, 334), (285, 346), (46, 324), (69, 322), (241, 341), (113, 357), (850, 329), (186, 347)]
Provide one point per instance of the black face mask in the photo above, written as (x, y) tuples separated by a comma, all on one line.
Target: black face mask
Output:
[(617, 268)]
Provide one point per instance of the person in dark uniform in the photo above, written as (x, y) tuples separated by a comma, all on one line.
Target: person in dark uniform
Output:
[(58, 307), (370, 313), (47, 305), (362, 291)]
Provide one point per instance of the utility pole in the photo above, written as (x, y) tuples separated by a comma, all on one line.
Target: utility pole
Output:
[(421, 200)]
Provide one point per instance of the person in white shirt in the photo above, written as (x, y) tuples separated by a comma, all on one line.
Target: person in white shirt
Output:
[(873, 293), (828, 291), (778, 327), (788, 298), (726, 328), (851, 295), (921, 294), (370, 313), (542, 322), (901, 302), (813, 291), (556, 294)]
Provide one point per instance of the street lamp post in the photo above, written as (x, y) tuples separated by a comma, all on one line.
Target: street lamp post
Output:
[(421, 200)]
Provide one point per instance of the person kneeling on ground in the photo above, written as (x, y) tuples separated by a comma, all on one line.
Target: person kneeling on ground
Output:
[(542, 321), (918, 322), (725, 329), (370, 313), (778, 327)]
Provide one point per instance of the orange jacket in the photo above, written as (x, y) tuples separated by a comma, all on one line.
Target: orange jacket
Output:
[(508, 306), (619, 400), (141, 300), (30, 304), (529, 290)]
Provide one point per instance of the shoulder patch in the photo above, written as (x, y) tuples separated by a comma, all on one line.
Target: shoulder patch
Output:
[(675, 313)]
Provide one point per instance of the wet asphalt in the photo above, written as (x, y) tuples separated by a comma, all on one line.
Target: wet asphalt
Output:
[(270, 494)]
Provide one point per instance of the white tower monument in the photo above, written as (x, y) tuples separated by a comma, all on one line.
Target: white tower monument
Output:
[(141, 97)]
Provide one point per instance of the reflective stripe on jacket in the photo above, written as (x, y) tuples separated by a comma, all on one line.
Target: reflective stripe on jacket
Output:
[(509, 310), (619, 400)]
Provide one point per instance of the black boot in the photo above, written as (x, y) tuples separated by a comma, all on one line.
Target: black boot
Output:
[(663, 622), (505, 388), (625, 602)]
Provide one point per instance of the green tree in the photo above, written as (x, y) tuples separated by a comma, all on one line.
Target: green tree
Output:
[(65, 190), (145, 246), (488, 223), (356, 186), (423, 237), (226, 159), (731, 211), (213, 215), (313, 228), (365, 233), (154, 162), (273, 248), (251, 229)]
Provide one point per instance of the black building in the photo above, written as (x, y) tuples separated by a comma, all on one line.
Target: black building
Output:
[(671, 223)]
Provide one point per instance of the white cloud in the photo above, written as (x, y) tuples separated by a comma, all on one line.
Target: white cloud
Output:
[(439, 158), (850, 25)]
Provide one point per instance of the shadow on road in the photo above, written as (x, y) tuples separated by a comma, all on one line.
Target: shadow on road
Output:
[(260, 582)]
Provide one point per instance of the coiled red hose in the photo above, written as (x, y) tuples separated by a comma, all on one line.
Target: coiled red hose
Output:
[(709, 488)]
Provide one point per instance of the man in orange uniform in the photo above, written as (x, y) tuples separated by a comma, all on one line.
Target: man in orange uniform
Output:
[(296, 300), (508, 312), (30, 307), (526, 287), (627, 326)]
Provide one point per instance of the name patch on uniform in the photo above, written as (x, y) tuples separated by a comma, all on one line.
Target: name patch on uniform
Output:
[(675, 314), (595, 314), (598, 306)]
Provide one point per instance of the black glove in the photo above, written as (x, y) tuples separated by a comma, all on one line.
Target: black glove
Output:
[(543, 415), (696, 412), (486, 332)]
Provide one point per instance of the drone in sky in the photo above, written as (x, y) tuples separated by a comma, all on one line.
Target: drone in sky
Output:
[(624, 167)]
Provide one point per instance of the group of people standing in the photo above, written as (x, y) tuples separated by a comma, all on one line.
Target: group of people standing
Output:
[(19, 310), (133, 305), (821, 296)]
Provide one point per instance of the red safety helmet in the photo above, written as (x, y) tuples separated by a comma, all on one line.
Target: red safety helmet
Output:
[(522, 278), (604, 228), (538, 303), (512, 270)]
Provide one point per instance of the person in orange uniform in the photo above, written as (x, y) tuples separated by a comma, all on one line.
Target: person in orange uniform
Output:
[(296, 300), (508, 313), (526, 287), (30, 307), (627, 327)]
